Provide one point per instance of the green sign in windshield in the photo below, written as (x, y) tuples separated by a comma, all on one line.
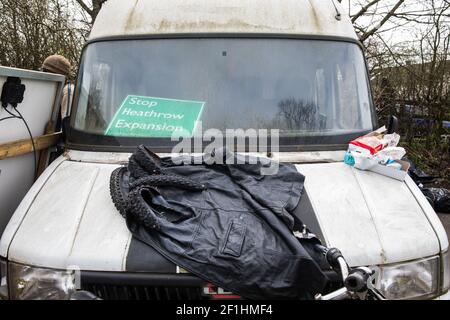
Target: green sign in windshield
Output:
[(155, 117)]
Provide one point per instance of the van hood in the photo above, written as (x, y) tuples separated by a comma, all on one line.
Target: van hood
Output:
[(371, 218), (72, 221)]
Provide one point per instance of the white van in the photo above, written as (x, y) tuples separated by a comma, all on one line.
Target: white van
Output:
[(251, 64)]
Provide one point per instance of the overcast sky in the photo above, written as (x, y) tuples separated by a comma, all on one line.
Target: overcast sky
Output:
[(395, 31)]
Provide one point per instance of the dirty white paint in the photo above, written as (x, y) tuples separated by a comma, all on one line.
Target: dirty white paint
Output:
[(73, 222), (284, 157), (372, 219), (21, 211), (101, 229), (152, 17)]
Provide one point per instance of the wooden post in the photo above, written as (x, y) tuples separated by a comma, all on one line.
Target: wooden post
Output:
[(22, 147), (43, 157)]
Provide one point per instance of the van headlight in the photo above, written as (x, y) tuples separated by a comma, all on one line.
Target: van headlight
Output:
[(415, 280), (30, 283)]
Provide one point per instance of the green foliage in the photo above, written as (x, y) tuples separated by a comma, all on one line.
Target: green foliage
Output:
[(433, 157), (34, 29)]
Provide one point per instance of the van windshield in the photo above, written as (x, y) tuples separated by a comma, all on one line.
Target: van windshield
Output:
[(313, 91)]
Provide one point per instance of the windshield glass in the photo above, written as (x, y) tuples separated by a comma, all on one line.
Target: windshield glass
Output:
[(131, 90)]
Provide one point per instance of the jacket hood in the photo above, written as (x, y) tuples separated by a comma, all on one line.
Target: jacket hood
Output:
[(72, 221)]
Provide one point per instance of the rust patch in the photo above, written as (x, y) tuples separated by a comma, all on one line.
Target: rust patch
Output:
[(208, 26), (383, 256), (132, 19), (66, 155), (315, 17)]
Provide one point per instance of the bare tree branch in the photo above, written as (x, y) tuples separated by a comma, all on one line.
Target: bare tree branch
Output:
[(382, 23), (92, 12), (85, 7), (364, 10)]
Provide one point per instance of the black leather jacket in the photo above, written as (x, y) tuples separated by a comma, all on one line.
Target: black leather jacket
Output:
[(232, 227)]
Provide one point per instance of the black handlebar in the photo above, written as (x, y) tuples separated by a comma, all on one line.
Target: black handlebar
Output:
[(358, 280)]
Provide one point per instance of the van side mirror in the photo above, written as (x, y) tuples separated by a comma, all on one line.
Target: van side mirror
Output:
[(394, 125)]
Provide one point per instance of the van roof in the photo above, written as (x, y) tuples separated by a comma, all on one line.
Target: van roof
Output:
[(155, 17)]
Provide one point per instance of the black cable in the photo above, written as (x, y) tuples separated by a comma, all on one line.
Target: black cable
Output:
[(31, 136), (12, 114), (7, 118)]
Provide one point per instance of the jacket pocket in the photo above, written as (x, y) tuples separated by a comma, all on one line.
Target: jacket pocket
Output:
[(234, 239)]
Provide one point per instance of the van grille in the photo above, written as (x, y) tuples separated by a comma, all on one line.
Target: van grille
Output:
[(148, 287), (109, 292)]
